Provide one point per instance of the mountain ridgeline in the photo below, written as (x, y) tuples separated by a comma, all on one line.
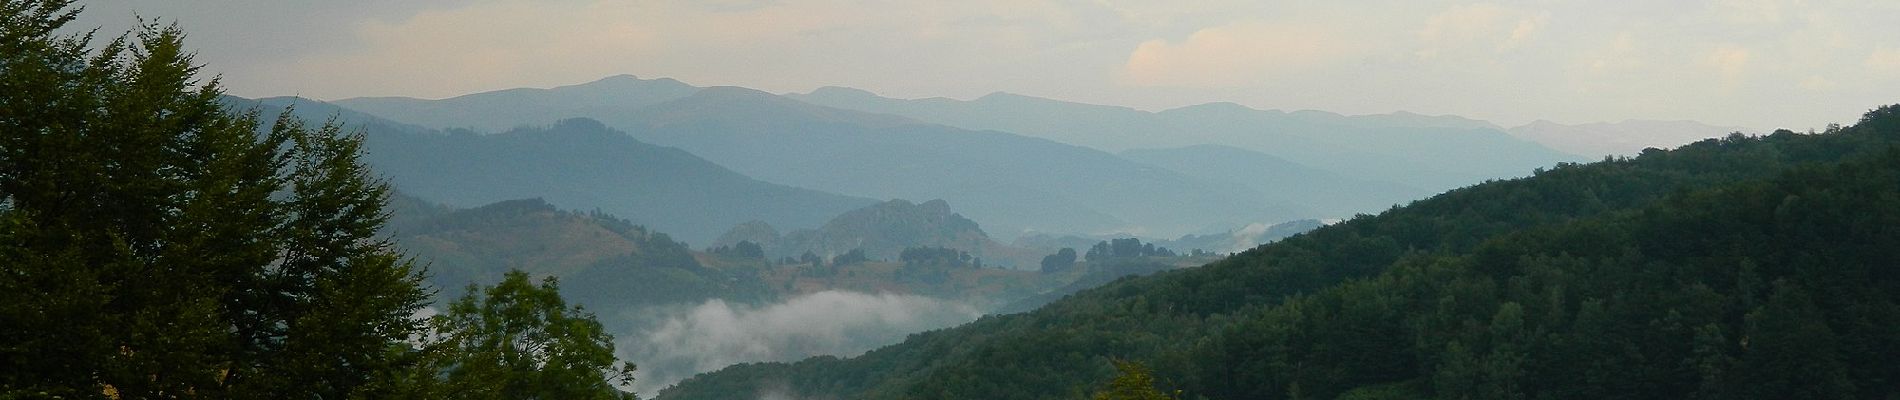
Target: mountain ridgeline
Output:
[(1026, 165), (577, 164), (1434, 153), (1012, 182), (1759, 268)]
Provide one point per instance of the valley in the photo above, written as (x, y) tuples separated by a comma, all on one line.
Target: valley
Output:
[(1107, 200)]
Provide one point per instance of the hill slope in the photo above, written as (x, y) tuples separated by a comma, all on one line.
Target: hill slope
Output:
[(578, 164), (993, 177), (503, 110), (1009, 182), (1738, 268), (604, 262), (1620, 138), (1328, 194), (882, 232)]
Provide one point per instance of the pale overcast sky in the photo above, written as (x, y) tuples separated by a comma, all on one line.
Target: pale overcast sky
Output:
[(1756, 63)]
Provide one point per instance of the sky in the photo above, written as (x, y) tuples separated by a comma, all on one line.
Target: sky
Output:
[(1762, 64)]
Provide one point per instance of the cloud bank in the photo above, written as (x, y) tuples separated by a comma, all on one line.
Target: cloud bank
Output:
[(690, 340)]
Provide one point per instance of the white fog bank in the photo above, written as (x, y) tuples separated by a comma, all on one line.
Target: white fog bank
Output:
[(689, 340)]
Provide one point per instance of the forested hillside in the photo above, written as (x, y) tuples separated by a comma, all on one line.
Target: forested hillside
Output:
[(607, 263), (1732, 268)]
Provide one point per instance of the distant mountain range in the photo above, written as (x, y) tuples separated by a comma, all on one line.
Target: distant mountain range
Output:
[(579, 164), (1020, 164), (1620, 138), (1013, 183), (1429, 152), (1325, 192), (504, 110)]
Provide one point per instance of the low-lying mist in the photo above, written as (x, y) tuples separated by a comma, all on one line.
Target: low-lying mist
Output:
[(684, 341)]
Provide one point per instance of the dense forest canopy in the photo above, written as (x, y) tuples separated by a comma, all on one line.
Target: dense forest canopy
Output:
[(1743, 267), (155, 245)]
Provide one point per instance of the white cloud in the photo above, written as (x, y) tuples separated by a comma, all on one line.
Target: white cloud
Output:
[(1241, 54), (1730, 61), (1479, 28), (1884, 61)]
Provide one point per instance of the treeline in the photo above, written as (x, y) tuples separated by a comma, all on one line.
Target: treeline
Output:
[(1112, 251), (1750, 268), (153, 245)]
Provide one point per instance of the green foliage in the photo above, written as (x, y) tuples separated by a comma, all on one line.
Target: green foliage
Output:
[(1060, 261), (157, 246), (1125, 248), (1730, 268), (855, 256), (935, 256), (746, 249), (518, 340), (1133, 383)]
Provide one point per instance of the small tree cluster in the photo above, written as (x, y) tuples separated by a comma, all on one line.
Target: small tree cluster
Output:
[(1126, 248)]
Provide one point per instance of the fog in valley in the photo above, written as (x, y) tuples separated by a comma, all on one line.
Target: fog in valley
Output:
[(688, 340), (989, 199)]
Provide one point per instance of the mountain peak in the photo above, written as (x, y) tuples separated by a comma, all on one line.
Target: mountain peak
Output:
[(1218, 107), (738, 105), (936, 206), (617, 78), (885, 229), (841, 92), (1007, 96)]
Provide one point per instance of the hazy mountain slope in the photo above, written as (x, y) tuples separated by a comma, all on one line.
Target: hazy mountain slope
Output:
[(502, 110), (579, 164), (1619, 138), (1744, 268), (1008, 182), (1434, 153), (1326, 193), (883, 231), (1238, 239), (604, 262)]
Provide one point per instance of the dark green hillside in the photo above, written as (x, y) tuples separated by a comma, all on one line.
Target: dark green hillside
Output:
[(1733, 268)]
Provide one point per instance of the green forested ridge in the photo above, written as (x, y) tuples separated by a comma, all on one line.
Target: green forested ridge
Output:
[(609, 263), (1731, 268)]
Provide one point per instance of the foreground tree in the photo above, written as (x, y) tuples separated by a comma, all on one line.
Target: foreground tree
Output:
[(153, 245), (1134, 382), (518, 340)]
